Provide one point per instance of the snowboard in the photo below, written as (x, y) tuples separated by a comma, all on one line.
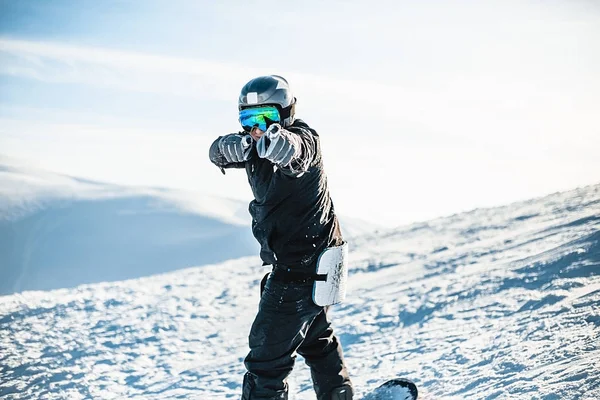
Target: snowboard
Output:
[(395, 389)]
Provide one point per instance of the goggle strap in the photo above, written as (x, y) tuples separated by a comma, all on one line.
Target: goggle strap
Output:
[(288, 111)]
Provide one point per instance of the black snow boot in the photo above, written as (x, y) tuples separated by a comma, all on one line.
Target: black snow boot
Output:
[(342, 393)]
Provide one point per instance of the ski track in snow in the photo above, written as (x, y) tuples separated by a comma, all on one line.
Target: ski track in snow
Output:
[(499, 303)]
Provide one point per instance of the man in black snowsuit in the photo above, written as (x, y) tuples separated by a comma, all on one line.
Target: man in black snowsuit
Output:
[(294, 221)]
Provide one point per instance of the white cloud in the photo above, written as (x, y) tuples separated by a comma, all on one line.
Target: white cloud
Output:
[(463, 106), (398, 147), (56, 62)]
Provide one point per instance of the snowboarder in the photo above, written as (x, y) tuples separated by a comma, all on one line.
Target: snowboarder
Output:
[(294, 221)]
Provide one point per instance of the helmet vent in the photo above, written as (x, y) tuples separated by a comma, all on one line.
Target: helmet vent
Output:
[(252, 98)]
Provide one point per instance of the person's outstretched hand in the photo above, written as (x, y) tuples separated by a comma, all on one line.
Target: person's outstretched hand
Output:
[(236, 147), (276, 147)]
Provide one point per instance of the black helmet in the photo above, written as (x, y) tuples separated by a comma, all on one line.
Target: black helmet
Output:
[(272, 90)]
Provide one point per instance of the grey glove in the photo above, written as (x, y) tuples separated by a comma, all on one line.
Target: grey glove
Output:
[(277, 146), (236, 147)]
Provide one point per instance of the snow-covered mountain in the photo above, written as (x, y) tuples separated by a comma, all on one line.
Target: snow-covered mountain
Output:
[(498, 303), (58, 231)]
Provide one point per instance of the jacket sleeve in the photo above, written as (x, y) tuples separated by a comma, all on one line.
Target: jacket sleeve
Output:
[(306, 151), (217, 158)]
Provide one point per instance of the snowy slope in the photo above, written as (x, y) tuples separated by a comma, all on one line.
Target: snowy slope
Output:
[(495, 303)]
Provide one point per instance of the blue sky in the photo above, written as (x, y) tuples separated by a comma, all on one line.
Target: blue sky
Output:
[(424, 108)]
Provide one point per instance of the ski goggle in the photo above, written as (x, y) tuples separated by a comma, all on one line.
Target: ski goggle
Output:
[(259, 117)]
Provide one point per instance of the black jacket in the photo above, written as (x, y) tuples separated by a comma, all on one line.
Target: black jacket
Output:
[(293, 217)]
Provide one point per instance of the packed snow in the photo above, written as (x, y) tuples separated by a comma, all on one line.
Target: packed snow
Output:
[(500, 303)]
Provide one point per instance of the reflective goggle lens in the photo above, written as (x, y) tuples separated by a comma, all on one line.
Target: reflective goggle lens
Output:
[(260, 117)]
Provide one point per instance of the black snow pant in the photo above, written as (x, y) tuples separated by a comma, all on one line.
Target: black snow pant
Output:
[(289, 322)]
